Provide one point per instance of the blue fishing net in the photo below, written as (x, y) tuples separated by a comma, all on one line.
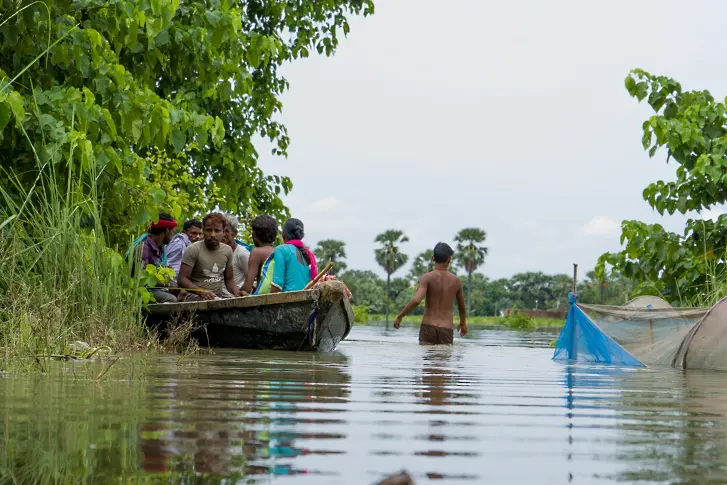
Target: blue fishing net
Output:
[(583, 340)]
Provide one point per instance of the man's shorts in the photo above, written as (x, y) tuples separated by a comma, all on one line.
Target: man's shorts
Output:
[(432, 335)]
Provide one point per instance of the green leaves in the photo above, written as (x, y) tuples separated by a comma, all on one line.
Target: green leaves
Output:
[(160, 101), (5, 112), (17, 106), (179, 140), (691, 128)]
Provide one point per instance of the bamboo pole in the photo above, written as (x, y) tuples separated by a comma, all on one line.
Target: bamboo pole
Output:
[(321, 274), (575, 280)]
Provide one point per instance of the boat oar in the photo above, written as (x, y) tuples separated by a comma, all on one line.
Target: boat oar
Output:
[(321, 274)]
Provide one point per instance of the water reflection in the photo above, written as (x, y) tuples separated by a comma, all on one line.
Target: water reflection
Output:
[(231, 415), (492, 409)]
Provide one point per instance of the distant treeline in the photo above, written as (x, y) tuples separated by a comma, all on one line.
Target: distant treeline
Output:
[(485, 297)]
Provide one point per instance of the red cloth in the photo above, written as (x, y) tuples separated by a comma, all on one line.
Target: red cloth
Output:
[(312, 257), (163, 224)]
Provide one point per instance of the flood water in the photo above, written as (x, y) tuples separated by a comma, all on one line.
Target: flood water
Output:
[(492, 409)]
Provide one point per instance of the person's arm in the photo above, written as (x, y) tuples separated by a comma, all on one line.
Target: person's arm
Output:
[(413, 303), (230, 277), (462, 311), (174, 255), (243, 262), (184, 282), (253, 267)]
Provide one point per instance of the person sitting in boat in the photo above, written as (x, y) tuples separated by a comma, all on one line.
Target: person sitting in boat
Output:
[(264, 232), (191, 233), (150, 248), (291, 266), (207, 265), (240, 254)]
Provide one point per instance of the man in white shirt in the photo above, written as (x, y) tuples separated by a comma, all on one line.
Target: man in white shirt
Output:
[(240, 254)]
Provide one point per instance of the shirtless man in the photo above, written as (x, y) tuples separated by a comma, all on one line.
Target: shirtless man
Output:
[(264, 232), (441, 288)]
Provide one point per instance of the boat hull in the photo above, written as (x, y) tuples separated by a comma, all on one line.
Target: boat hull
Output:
[(313, 320)]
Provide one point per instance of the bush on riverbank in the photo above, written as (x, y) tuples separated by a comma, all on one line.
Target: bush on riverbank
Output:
[(360, 314), (61, 283)]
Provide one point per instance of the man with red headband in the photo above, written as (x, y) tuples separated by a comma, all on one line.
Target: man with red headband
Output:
[(153, 251)]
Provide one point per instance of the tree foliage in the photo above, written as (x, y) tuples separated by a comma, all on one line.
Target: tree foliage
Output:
[(470, 252), (490, 297), (113, 89), (690, 126), (331, 251), (389, 256), (422, 264)]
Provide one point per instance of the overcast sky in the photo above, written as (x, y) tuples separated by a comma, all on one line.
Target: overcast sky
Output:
[(508, 116)]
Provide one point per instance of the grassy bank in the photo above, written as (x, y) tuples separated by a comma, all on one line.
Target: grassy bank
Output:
[(61, 283), (522, 323)]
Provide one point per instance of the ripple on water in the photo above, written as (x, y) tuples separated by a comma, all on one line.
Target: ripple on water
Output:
[(492, 409)]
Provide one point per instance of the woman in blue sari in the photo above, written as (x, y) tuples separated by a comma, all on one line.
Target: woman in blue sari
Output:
[(291, 266)]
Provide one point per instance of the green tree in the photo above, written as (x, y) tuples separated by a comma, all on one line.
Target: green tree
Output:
[(532, 289), (470, 254), (422, 264), (609, 288), (125, 83), (560, 285), (390, 258), (402, 290), (331, 251), (497, 297), (691, 128), (367, 287)]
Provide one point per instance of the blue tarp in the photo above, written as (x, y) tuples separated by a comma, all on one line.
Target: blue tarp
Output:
[(582, 340)]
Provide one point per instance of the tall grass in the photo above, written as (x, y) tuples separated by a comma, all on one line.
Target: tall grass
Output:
[(60, 282)]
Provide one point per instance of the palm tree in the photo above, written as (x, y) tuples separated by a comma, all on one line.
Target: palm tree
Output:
[(423, 263), (470, 253), (390, 258), (331, 251)]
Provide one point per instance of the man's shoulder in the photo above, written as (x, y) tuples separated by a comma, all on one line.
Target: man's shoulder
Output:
[(241, 251), (262, 252), (180, 239)]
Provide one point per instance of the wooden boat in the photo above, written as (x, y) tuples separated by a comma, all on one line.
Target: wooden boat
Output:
[(310, 320)]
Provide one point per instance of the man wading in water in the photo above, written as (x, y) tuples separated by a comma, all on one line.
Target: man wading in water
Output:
[(440, 287)]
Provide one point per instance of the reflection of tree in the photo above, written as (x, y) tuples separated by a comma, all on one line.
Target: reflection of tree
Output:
[(205, 426), (220, 419)]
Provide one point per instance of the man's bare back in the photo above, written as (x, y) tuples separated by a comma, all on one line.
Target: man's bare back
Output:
[(440, 288)]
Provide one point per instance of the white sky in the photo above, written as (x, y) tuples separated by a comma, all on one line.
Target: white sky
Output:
[(509, 116)]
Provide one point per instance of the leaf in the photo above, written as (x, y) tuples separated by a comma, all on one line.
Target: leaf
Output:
[(630, 83), (640, 90), (671, 110), (157, 195), (136, 127), (162, 39), (17, 106), (179, 140), (5, 113)]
